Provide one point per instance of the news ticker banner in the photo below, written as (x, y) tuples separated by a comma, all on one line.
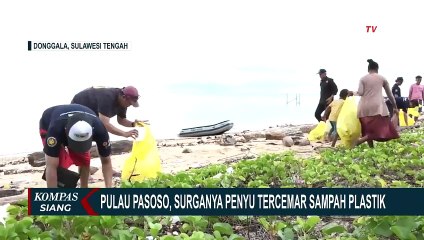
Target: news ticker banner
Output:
[(226, 201)]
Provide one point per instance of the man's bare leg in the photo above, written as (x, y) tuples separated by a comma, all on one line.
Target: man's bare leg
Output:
[(405, 116), (84, 172), (335, 137)]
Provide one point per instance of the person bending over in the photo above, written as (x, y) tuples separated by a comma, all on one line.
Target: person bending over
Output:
[(67, 133)]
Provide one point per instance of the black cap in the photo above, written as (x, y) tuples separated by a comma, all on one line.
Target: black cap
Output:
[(322, 71), (79, 131)]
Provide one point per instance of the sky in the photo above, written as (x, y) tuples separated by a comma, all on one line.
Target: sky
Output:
[(199, 62)]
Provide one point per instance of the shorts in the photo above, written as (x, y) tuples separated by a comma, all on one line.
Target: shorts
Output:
[(417, 103), (67, 157), (402, 103)]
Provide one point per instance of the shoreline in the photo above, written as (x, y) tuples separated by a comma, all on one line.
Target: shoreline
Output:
[(11, 156), (177, 154)]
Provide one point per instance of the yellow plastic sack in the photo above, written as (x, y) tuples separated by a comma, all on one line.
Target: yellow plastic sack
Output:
[(320, 131), (348, 124), (144, 161), (402, 122), (414, 112)]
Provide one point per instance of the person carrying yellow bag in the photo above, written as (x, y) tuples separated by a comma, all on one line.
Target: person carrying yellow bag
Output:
[(144, 161), (319, 132), (348, 125), (376, 125), (332, 113)]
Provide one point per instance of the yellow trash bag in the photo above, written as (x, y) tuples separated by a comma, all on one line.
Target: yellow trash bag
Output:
[(144, 161), (319, 132), (348, 124), (402, 122), (414, 112)]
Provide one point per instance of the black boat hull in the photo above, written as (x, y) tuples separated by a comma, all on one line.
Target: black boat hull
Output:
[(211, 130)]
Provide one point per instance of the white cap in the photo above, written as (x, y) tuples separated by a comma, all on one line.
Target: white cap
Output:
[(80, 133)]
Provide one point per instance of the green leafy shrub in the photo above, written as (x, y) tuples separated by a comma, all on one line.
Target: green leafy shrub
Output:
[(396, 163)]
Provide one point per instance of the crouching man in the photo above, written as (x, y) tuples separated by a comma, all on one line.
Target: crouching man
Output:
[(67, 132)]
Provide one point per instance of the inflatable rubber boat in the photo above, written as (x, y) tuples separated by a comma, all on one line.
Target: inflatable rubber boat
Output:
[(216, 129)]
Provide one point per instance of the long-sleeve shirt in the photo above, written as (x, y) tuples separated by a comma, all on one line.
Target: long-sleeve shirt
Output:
[(416, 92), (328, 88), (372, 102)]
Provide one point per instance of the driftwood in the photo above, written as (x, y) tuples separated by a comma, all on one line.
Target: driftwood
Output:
[(36, 159)]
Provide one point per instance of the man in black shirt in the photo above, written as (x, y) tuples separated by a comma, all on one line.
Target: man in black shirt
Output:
[(328, 91), (401, 102), (110, 102), (396, 88), (75, 127)]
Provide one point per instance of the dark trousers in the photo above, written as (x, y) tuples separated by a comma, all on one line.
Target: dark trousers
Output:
[(320, 108)]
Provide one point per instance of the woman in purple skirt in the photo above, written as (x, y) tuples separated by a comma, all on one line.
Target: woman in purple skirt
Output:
[(372, 110)]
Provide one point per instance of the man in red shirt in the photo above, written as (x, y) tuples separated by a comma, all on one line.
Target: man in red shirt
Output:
[(416, 94)]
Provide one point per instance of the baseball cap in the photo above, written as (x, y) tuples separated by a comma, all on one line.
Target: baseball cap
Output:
[(79, 131), (322, 71), (132, 93)]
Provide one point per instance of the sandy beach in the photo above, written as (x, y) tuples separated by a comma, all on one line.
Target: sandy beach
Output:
[(176, 155)]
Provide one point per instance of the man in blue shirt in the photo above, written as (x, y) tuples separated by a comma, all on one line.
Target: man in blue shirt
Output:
[(67, 132)]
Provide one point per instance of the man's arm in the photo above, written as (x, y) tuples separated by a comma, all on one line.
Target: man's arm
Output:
[(125, 122), (121, 116), (334, 88), (410, 92), (53, 144), (422, 93), (394, 90), (109, 126), (107, 170), (51, 171)]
